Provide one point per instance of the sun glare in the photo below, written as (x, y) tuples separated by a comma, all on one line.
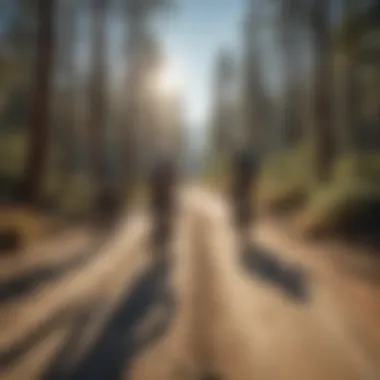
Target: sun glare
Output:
[(167, 80)]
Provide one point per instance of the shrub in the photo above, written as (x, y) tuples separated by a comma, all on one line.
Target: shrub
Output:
[(348, 209), (285, 180)]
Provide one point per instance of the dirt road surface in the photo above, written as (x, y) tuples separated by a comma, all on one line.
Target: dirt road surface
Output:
[(214, 307)]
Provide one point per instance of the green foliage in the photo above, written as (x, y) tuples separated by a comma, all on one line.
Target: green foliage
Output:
[(338, 208), (356, 26), (350, 200), (364, 167), (16, 46), (286, 179), (12, 154), (346, 206)]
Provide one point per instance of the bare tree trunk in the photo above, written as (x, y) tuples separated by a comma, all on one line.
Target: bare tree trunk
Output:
[(70, 154), (129, 132), (351, 93), (136, 34), (290, 29), (39, 124), (323, 128), (97, 114), (256, 104), (351, 98)]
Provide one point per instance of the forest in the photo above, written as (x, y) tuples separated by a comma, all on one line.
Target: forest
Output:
[(72, 140)]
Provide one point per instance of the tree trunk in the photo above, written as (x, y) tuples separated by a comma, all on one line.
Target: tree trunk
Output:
[(323, 128), (97, 114), (352, 103), (290, 30), (39, 124), (255, 107), (135, 34), (69, 143)]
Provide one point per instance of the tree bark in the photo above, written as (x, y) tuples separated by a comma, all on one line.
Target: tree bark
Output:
[(39, 124), (98, 101), (291, 112), (324, 128), (68, 70)]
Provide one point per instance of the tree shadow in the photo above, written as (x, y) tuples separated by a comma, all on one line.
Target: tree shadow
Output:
[(25, 283), (291, 279), (119, 342), (10, 355)]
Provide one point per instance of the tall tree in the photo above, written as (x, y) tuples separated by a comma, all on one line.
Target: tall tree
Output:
[(324, 130), (348, 91), (224, 105), (67, 89), (98, 101), (39, 124), (255, 105), (359, 30), (291, 12), (17, 45)]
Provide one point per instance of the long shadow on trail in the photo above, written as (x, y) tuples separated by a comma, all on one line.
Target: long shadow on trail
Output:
[(24, 284), (290, 279), (119, 342)]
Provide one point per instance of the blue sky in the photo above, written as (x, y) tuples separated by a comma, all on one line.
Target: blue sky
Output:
[(193, 34)]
